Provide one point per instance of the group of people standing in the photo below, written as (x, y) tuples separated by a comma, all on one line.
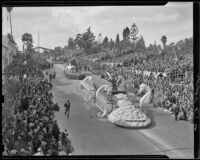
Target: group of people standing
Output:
[(51, 75), (28, 125)]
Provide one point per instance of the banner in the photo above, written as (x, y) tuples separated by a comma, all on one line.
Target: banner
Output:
[(148, 73)]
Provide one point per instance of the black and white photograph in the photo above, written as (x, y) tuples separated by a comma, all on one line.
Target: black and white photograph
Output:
[(98, 80)]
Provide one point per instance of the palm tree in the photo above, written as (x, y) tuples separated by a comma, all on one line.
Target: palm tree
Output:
[(27, 40), (164, 41), (9, 9)]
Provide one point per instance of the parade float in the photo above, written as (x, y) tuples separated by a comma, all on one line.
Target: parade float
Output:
[(118, 107), (126, 114), (102, 100), (71, 72), (88, 88)]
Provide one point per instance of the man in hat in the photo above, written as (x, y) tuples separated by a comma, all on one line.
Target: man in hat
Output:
[(67, 108)]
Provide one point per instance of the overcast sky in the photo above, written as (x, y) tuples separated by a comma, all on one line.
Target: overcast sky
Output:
[(57, 24)]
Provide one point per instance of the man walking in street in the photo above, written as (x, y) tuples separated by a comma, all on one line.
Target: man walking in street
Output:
[(67, 108)]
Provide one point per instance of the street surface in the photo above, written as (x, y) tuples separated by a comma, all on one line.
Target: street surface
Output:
[(91, 135)]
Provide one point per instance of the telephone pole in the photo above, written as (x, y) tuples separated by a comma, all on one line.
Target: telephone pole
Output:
[(10, 24), (38, 42)]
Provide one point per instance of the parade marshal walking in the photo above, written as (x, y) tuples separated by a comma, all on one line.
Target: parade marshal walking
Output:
[(67, 108)]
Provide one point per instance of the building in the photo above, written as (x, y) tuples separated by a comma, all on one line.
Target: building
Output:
[(9, 49), (42, 49), (46, 52)]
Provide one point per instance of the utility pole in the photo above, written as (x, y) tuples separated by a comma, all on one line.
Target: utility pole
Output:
[(38, 42), (10, 23)]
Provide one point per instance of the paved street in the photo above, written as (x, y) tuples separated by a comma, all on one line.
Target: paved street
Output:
[(91, 135)]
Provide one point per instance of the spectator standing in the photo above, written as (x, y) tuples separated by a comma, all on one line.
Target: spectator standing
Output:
[(55, 131), (50, 77)]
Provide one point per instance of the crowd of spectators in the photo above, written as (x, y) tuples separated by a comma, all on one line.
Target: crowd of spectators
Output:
[(60, 59), (174, 90), (28, 125)]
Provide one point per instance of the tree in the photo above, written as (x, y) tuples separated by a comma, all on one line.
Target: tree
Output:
[(99, 42), (117, 39), (105, 42), (99, 38), (73, 62), (71, 44), (140, 45), (126, 34), (126, 38), (164, 41), (133, 33), (188, 45), (58, 51), (117, 42), (78, 40), (111, 44), (88, 40), (27, 40)]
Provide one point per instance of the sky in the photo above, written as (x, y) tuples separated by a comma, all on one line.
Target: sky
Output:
[(56, 24)]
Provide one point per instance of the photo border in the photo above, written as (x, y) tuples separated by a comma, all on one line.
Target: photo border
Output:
[(196, 56)]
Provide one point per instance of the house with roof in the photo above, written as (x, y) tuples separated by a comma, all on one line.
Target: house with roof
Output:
[(9, 49)]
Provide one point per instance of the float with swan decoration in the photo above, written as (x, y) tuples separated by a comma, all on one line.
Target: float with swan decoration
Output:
[(125, 114)]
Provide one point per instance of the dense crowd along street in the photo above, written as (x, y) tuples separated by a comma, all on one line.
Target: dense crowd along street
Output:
[(28, 127), (170, 89)]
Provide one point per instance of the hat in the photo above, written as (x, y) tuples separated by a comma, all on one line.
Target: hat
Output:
[(13, 152), (44, 143)]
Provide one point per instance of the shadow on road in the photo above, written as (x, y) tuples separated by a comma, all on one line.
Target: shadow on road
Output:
[(150, 114)]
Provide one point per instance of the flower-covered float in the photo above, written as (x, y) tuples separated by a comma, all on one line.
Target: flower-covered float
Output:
[(123, 113), (88, 88), (72, 73), (127, 115)]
